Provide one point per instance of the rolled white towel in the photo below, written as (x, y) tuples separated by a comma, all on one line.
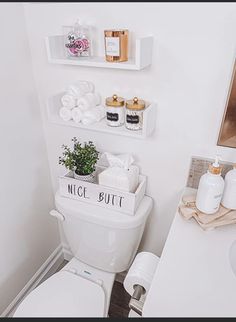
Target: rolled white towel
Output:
[(85, 86), (68, 101), (65, 113), (80, 88), (98, 98), (91, 98), (94, 115), (84, 103), (102, 111), (87, 121), (95, 98), (77, 114), (74, 91), (99, 112), (91, 87)]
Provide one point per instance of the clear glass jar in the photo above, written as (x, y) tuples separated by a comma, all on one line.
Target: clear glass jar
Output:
[(134, 114), (77, 40), (115, 110)]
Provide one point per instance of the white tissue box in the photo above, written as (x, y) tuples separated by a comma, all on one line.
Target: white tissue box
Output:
[(102, 196), (120, 178)]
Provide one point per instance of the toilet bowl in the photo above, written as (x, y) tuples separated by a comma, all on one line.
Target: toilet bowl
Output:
[(77, 290), (103, 243)]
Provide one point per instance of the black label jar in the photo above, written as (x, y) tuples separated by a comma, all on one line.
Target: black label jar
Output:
[(115, 110), (134, 114)]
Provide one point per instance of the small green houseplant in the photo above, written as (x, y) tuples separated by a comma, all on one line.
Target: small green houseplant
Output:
[(81, 160)]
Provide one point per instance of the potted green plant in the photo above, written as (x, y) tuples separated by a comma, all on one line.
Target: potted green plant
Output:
[(81, 160)]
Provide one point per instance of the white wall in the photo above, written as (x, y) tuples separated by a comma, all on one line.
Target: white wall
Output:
[(27, 235), (189, 78)]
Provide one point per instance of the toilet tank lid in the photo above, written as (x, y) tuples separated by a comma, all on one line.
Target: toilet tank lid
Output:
[(103, 216)]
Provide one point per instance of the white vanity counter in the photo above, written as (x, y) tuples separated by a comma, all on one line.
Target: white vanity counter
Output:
[(194, 277)]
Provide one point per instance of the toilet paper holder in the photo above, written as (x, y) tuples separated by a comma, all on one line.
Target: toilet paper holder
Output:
[(138, 280), (135, 304)]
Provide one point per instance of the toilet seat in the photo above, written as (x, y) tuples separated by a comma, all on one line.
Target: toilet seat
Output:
[(64, 294)]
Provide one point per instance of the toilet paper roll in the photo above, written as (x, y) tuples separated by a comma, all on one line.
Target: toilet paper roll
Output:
[(141, 271)]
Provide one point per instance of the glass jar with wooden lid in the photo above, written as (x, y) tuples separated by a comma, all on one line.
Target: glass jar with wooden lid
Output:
[(116, 45), (134, 114), (115, 110)]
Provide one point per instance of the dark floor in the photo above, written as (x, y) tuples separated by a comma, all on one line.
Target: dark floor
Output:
[(119, 302)]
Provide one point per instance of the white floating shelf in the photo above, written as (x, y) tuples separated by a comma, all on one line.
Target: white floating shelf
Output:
[(57, 54), (149, 121)]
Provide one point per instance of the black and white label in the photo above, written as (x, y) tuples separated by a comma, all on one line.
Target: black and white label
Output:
[(110, 199), (101, 197), (113, 117), (112, 46), (133, 119), (79, 191)]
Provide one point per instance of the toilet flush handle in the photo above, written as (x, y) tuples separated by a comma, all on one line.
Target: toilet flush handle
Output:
[(57, 214)]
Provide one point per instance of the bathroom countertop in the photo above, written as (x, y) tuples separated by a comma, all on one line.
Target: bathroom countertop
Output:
[(194, 277)]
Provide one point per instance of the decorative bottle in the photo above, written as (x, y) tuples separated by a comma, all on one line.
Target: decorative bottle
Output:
[(210, 189), (229, 194)]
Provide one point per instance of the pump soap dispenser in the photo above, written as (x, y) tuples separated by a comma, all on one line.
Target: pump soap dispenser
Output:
[(210, 189), (229, 195)]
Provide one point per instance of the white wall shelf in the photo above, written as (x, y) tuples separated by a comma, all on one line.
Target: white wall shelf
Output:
[(143, 55), (149, 120)]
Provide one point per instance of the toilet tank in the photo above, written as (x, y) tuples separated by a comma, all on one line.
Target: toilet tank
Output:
[(102, 238)]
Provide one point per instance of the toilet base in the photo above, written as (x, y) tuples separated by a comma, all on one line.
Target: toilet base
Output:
[(104, 279)]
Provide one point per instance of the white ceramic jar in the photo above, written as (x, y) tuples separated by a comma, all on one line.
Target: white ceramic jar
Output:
[(115, 111), (229, 195)]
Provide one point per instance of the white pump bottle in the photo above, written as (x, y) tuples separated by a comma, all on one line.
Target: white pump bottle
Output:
[(229, 195), (210, 189)]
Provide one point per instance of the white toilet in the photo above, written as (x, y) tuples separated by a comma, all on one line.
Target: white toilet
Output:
[(103, 243)]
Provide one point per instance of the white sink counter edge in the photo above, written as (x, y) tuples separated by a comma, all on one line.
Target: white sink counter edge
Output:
[(194, 277)]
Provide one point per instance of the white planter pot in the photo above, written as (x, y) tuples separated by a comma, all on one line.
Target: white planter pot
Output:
[(87, 177)]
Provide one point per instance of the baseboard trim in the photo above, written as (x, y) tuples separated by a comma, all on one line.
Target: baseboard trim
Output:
[(66, 252), (55, 259)]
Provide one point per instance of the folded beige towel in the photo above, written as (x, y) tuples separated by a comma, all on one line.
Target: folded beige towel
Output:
[(223, 216)]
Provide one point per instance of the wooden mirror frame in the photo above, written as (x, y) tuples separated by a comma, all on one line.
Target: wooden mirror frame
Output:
[(227, 135)]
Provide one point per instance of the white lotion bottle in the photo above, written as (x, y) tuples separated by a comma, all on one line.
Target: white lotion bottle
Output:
[(210, 189), (229, 194)]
